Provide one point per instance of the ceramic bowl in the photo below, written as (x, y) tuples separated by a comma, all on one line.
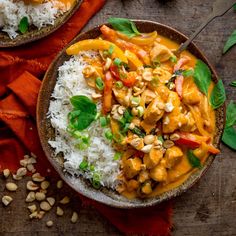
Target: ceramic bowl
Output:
[(81, 185), (34, 34)]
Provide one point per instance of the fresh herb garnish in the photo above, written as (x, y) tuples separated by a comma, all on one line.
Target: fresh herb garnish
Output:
[(193, 160), (99, 83), (83, 113), (230, 42), (124, 26), (202, 76), (108, 134), (125, 121), (218, 95), (96, 180), (233, 84), (117, 62), (111, 50), (83, 165), (119, 84), (138, 131), (117, 156), (160, 138), (103, 121), (173, 59), (231, 114), (23, 25)]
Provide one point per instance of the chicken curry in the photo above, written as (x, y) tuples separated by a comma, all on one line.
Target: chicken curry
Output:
[(162, 125)]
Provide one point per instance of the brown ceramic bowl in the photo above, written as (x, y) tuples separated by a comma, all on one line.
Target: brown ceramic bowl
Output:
[(34, 34), (81, 185)]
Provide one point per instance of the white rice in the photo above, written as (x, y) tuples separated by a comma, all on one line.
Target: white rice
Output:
[(40, 15), (100, 152)]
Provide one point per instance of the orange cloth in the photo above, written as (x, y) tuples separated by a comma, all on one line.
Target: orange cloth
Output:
[(18, 133)]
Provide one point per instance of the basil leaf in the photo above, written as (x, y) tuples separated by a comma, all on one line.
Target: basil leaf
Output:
[(83, 103), (218, 95), (23, 25), (233, 84), (230, 42), (193, 160), (124, 26), (229, 137), (235, 7), (231, 114), (202, 76)]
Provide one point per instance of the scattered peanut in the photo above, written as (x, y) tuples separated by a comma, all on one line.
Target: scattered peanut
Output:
[(11, 187), (65, 200), (45, 206), (59, 184), (31, 168), (60, 212), (41, 214), (21, 172), (6, 200), (32, 208), (51, 200), (45, 184), (49, 223), (33, 215), (147, 148), (174, 137), (37, 177), (16, 177), (6, 173), (149, 139), (32, 186), (23, 162), (40, 196), (168, 144), (74, 217), (33, 155), (30, 197)]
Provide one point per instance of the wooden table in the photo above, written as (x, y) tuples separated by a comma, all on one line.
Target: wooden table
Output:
[(209, 207)]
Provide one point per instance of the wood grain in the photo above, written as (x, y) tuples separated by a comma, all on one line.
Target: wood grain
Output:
[(209, 207)]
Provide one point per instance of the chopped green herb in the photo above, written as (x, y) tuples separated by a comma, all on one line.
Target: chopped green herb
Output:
[(111, 50), (118, 137), (230, 42), (193, 160), (119, 84), (23, 25), (103, 121), (202, 76), (156, 63), (83, 165), (117, 156), (218, 95), (96, 180), (127, 115), (99, 83), (117, 62), (91, 167), (138, 131), (233, 84), (108, 134), (124, 26), (160, 138), (173, 59)]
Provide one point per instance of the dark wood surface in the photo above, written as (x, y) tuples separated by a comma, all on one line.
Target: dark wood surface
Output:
[(209, 208)]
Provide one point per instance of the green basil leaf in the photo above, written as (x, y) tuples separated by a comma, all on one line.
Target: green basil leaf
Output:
[(231, 114), (188, 73), (84, 104), (233, 84), (235, 7), (124, 26), (23, 25), (218, 95), (202, 76), (229, 137), (193, 160), (230, 42)]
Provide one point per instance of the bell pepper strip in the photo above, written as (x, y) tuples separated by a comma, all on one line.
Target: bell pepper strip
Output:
[(112, 36), (96, 44), (212, 149), (180, 78), (142, 40), (133, 61), (107, 96)]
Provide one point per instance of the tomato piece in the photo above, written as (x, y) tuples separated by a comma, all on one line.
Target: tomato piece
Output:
[(107, 98), (115, 72), (130, 80)]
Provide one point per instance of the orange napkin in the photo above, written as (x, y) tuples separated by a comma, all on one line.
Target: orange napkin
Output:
[(18, 133)]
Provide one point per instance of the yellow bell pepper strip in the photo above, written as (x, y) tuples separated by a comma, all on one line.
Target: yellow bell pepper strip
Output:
[(180, 78), (107, 96), (143, 40), (96, 44), (133, 61), (111, 35)]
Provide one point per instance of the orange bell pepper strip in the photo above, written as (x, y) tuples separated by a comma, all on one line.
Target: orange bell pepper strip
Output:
[(180, 78), (107, 96), (96, 44), (111, 35), (134, 62)]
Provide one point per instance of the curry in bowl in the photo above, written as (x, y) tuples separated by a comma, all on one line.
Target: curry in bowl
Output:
[(131, 116)]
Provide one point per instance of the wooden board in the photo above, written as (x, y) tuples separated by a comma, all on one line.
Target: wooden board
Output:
[(209, 207)]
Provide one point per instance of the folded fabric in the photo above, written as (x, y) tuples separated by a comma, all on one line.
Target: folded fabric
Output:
[(18, 133)]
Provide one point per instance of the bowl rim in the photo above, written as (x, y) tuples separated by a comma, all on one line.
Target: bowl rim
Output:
[(37, 34), (174, 192)]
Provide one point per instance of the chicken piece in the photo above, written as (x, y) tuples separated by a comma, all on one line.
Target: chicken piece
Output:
[(172, 156), (146, 188), (143, 176), (153, 158), (191, 94), (162, 90), (123, 95), (132, 167), (162, 75), (190, 126), (132, 185), (160, 53), (174, 119), (136, 142), (147, 96), (158, 173)]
